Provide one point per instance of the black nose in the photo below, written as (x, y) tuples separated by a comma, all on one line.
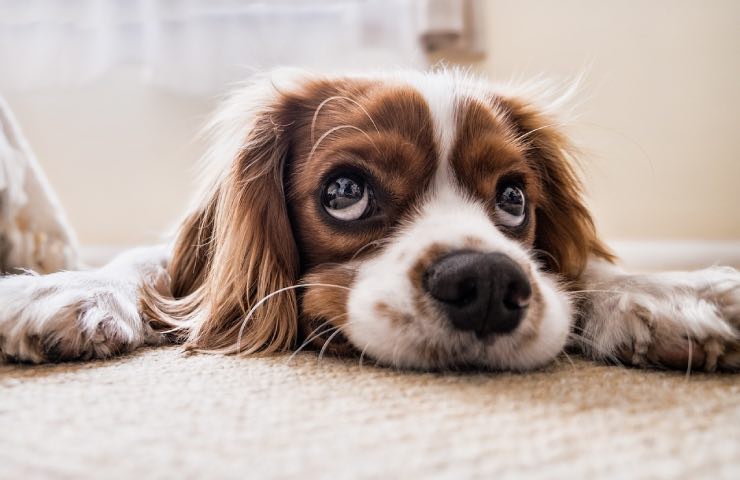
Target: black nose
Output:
[(483, 292)]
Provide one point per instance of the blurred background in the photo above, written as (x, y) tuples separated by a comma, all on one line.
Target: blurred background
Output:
[(111, 94)]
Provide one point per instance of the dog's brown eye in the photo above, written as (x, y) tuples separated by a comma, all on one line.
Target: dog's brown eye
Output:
[(510, 206), (346, 198)]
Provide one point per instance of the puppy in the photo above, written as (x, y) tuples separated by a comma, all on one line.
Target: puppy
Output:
[(422, 220)]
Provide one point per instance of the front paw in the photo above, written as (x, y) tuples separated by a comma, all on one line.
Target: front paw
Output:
[(69, 316), (674, 320)]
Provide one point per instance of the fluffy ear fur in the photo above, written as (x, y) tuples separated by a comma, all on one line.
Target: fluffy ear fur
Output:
[(237, 247), (565, 230)]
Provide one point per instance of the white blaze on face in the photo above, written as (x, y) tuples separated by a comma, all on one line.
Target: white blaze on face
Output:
[(386, 320)]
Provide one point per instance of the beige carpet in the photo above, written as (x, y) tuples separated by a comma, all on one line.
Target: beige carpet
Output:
[(161, 414)]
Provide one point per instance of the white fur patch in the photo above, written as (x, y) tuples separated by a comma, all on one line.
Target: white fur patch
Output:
[(80, 315)]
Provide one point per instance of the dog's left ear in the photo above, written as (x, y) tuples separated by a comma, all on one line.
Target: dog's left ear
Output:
[(235, 254), (565, 229)]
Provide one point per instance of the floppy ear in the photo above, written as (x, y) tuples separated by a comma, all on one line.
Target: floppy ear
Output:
[(564, 227), (237, 247)]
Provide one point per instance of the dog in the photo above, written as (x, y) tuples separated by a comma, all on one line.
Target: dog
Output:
[(422, 220)]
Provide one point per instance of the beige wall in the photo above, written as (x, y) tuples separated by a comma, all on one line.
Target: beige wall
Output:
[(661, 114), (120, 154), (660, 117)]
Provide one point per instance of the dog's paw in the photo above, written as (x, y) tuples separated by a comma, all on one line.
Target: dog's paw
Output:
[(71, 316), (674, 320)]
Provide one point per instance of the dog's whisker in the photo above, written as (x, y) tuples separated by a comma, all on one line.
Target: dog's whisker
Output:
[(593, 345), (535, 130), (269, 296), (690, 342), (581, 294), (570, 360), (366, 246), (314, 335), (328, 341), (547, 254), (624, 136), (338, 97), (362, 354), (337, 128)]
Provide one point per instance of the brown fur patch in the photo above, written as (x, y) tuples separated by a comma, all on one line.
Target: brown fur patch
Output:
[(396, 318), (389, 140), (485, 152), (324, 308), (425, 260)]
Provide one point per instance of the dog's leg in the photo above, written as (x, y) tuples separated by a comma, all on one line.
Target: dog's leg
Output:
[(83, 314), (673, 319)]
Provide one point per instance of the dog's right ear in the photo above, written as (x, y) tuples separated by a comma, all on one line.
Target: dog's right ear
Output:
[(235, 253), (565, 230)]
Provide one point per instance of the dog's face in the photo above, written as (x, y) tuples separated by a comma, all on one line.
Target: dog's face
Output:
[(428, 218)]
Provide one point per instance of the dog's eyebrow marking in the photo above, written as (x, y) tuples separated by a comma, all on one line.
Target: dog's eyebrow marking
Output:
[(338, 97)]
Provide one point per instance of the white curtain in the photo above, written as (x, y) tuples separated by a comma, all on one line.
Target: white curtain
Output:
[(200, 45)]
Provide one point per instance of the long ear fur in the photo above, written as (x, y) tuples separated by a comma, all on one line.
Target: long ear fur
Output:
[(565, 229), (237, 247)]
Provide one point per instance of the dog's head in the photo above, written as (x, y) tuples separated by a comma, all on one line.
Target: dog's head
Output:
[(427, 217)]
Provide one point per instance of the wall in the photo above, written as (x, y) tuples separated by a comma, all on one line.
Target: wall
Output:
[(119, 154), (659, 118), (660, 112)]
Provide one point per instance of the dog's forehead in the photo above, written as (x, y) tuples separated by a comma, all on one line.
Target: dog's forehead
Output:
[(434, 128), (435, 111), (461, 111), (443, 99), (475, 142)]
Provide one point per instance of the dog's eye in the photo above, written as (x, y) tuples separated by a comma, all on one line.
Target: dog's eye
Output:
[(346, 198), (510, 205)]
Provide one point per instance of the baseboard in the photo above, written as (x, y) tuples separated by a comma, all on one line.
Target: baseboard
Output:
[(644, 255), (654, 255)]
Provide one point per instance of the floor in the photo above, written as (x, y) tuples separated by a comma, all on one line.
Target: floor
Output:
[(160, 413)]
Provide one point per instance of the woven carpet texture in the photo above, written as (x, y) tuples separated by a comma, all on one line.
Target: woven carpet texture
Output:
[(160, 413)]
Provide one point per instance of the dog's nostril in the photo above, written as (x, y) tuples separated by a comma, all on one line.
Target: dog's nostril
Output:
[(517, 296), (451, 287), (483, 292)]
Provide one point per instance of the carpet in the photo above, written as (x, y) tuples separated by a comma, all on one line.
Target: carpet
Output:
[(160, 413)]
